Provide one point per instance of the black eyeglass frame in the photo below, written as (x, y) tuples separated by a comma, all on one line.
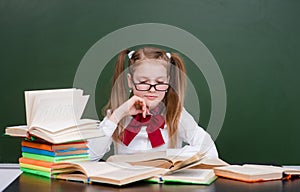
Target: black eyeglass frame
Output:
[(150, 86)]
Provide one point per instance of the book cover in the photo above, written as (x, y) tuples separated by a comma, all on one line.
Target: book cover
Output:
[(55, 154), (190, 176), (36, 172), (68, 158), (250, 172), (54, 147), (36, 162)]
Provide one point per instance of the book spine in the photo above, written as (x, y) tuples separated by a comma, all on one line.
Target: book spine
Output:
[(54, 147), (38, 157), (36, 145), (34, 167), (54, 154), (36, 162), (71, 149), (36, 172), (38, 151), (56, 159)]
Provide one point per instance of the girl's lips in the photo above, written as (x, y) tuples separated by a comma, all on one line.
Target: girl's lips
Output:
[(151, 97)]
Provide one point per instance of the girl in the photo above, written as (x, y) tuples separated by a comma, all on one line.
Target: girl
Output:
[(153, 118)]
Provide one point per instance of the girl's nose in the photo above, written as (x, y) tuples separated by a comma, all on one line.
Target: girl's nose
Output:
[(152, 89)]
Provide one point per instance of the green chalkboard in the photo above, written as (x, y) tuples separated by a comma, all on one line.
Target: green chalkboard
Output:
[(255, 44)]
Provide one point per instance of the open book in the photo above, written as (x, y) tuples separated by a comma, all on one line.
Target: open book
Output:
[(194, 168), (194, 176), (253, 172), (55, 116), (109, 173), (174, 161)]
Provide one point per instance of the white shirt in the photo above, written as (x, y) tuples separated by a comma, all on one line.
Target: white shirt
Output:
[(188, 132)]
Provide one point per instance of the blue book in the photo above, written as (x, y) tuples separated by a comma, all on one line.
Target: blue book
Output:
[(71, 149), (55, 154)]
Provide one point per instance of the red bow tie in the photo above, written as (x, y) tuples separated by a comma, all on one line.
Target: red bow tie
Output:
[(153, 123)]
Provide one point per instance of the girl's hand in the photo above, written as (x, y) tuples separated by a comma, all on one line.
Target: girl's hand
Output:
[(132, 106)]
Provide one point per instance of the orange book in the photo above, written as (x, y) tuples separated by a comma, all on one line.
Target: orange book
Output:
[(55, 147), (43, 167), (250, 172), (47, 164), (36, 162)]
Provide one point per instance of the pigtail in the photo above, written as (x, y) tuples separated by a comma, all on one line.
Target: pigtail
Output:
[(179, 75), (118, 92), (175, 97)]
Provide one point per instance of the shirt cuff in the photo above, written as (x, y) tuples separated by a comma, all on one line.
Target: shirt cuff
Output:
[(108, 127)]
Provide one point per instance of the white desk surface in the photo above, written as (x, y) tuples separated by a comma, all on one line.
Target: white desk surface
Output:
[(8, 173)]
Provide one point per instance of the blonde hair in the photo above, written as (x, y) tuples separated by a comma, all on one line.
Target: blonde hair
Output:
[(174, 98)]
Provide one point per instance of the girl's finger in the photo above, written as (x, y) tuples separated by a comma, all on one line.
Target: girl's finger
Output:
[(148, 112), (138, 105)]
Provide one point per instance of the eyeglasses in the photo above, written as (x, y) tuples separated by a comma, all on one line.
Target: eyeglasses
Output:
[(147, 86)]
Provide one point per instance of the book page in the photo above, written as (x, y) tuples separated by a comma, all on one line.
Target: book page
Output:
[(137, 157), (251, 169), (264, 167), (174, 157), (112, 173), (291, 170), (82, 125), (123, 171), (17, 131), (30, 97), (188, 162), (208, 163), (213, 161), (80, 103), (92, 168), (199, 174), (70, 136), (186, 151), (55, 112)]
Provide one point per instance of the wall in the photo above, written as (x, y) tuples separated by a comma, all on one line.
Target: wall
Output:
[(255, 44)]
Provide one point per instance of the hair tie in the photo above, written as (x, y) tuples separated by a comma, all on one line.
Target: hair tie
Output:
[(130, 54), (168, 55)]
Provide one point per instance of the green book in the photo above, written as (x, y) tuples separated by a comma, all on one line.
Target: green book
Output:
[(191, 176), (71, 158), (36, 172)]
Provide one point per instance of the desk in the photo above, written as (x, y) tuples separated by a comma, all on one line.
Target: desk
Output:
[(32, 183), (8, 175)]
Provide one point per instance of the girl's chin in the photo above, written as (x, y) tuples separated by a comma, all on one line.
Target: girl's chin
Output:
[(151, 104)]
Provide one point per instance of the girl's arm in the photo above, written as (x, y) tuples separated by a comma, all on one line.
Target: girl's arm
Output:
[(132, 106), (99, 146), (196, 136)]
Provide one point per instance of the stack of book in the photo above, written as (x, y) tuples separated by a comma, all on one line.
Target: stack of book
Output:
[(55, 134), (47, 159)]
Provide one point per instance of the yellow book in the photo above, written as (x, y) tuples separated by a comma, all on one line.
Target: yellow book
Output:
[(109, 173), (254, 172)]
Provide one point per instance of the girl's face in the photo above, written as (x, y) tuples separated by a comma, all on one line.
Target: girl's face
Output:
[(149, 72)]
